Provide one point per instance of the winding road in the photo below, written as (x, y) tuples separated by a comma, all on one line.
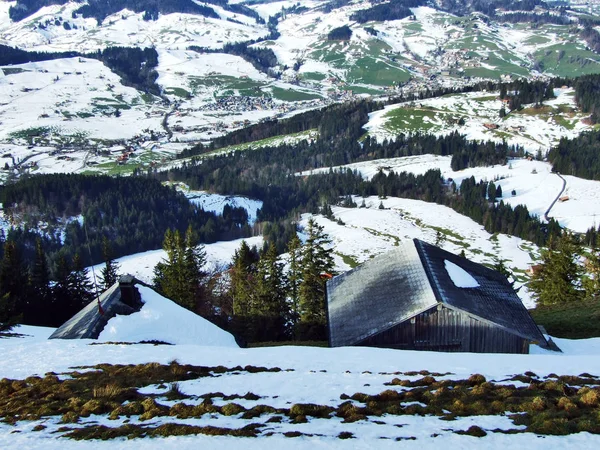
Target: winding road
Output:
[(564, 186)]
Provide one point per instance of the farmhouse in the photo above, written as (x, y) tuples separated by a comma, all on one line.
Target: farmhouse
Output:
[(420, 297)]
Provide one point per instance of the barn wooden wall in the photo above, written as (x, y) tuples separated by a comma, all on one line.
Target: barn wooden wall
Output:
[(449, 331)]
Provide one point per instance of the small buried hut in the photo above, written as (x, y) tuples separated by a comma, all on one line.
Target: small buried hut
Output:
[(121, 298), (420, 297)]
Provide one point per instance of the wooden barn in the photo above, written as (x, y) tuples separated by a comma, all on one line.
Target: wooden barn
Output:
[(420, 297)]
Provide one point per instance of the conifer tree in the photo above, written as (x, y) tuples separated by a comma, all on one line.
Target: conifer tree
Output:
[(591, 283), (269, 306), (13, 281), (179, 277), (241, 273), (63, 299), (242, 277), (559, 279), (317, 265), (194, 259), (80, 286), (109, 274), (294, 277), (40, 291), (7, 313)]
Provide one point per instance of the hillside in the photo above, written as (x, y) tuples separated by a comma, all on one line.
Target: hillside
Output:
[(215, 89)]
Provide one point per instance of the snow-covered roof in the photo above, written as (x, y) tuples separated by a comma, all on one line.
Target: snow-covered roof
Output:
[(131, 311)]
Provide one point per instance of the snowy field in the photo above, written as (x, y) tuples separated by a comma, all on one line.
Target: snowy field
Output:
[(368, 232), (309, 375), (141, 265), (532, 129), (534, 185), (125, 28), (75, 98)]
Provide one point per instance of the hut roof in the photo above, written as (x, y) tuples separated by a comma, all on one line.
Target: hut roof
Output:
[(417, 276), (121, 298)]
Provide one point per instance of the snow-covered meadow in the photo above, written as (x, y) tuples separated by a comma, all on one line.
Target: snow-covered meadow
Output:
[(533, 183), (533, 129), (319, 376)]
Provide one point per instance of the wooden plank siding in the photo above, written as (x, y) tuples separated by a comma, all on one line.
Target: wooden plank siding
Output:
[(448, 330)]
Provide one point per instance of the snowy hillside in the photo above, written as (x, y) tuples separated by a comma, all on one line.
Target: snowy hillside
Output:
[(533, 183), (471, 115), (125, 28)]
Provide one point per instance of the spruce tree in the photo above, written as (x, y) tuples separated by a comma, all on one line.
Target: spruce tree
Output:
[(180, 277), (7, 313), (13, 282), (591, 283), (194, 259), (82, 289), (242, 274), (110, 272), (559, 279), (39, 288), (63, 305), (269, 306), (317, 266), (294, 278)]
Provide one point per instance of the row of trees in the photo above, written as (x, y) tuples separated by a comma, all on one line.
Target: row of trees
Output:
[(100, 9), (133, 212), (578, 156), (587, 95), (256, 297), (39, 295), (394, 10)]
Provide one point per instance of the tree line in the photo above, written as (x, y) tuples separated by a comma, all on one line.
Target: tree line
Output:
[(343, 33), (394, 10), (37, 294), (101, 9), (269, 174), (135, 66), (578, 156), (133, 212)]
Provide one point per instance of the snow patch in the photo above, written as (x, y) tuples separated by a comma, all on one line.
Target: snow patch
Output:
[(459, 276)]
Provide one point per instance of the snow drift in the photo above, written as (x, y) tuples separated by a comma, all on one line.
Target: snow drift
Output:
[(160, 319)]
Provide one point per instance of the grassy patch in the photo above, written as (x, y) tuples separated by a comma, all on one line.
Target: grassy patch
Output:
[(576, 320), (289, 95), (313, 76), (289, 343), (551, 405), (349, 260), (12, 70), (411, 120), (179, 92)]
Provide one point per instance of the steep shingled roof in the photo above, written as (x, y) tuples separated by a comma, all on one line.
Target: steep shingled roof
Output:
[(401, 284)]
